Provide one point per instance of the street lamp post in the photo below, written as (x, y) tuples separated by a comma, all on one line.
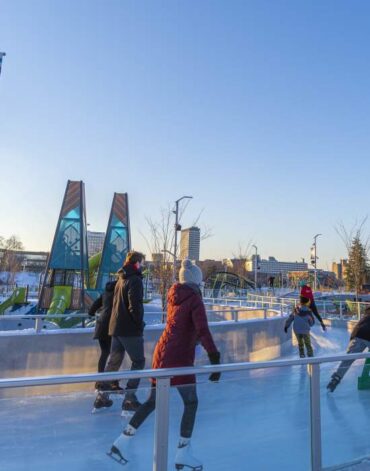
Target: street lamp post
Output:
[(177, 228), (315, 260), (255, 268)]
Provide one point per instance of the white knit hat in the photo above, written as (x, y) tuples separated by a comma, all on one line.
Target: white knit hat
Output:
[(190, 273)]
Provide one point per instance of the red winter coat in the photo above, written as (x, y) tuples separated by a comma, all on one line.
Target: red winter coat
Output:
[(306, 291), (186, 324)]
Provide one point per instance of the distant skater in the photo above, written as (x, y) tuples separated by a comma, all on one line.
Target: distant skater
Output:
[(306, 292), (302, 320)]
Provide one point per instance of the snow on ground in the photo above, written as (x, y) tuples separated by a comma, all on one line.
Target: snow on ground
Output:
[(257, 420)]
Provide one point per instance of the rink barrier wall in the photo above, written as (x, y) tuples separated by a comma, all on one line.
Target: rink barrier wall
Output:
[(74, 351)]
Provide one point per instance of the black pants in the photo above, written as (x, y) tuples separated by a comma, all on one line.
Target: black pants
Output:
[(315, 312), (189, 396), (105, 344)]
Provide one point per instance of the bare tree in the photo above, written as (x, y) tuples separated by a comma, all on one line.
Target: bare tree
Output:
[(10, 261), (241, 257), (160, 240), (358, 249)]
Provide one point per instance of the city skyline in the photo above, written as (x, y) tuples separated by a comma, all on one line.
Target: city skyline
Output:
[(256, 109)]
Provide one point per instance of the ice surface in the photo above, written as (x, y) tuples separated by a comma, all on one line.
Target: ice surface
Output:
[(258, 420)]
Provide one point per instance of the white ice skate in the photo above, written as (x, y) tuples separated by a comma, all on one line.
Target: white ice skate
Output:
[(120, 448), (184, 459)]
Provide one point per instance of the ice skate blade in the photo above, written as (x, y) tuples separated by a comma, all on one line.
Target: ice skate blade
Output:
[(114, 392), (127, 414), (119, 458), (186, 466), (99, 409)]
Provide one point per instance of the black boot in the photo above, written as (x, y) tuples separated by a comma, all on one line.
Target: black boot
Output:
[(333, 383), (102, 401)]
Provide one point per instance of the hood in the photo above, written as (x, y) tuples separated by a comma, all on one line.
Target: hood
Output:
[(129, 270), (180, 292), (110, 286), (303, 311)]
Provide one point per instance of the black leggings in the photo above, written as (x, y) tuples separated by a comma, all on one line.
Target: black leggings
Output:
[(188, 394), (104, 354)]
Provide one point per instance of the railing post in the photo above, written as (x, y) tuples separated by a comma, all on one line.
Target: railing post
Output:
[(341, 309), (161, 424), (324, 308), (38, 325), (358, 311), (236, 315), (315, 416)]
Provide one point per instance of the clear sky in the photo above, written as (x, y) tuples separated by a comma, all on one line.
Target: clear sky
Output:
[(259, 109)]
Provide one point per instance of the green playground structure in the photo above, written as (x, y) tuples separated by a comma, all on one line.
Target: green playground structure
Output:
[(60, 303), (363, 381), (94, 263), (19, 296)]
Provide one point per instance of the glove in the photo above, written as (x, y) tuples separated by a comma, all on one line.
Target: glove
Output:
[(286, 330), (323, 326), (214, 359)]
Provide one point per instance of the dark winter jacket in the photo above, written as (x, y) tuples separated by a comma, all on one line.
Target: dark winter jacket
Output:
[(104, 301), (186, 325), (302, 319), (362, 328), (128, 310), (306, 292)]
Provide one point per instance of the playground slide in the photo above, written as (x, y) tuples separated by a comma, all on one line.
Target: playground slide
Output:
[(60, 302), (94, 263), (61, 299), (18, 296)]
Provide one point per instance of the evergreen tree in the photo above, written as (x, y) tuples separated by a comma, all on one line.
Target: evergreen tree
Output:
[(358, 268)]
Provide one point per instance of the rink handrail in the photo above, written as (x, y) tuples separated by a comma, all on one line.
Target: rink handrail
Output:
[(171, 372)]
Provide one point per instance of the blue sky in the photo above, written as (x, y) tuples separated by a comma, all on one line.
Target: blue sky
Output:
[(259, 109)]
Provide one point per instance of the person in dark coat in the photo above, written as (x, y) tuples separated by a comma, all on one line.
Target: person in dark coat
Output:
[(126, 328), (359, 341), (186, 326), (306, 292), (104, 304)]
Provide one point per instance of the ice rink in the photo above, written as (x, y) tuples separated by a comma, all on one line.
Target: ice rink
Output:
[(256, 421)]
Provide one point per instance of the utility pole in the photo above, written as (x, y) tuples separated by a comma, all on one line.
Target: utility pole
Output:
[(177, 228), (314, 259), (255, 267)]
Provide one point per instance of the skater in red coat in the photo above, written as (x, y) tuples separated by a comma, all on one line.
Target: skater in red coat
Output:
[(306, 292), (186, 326)]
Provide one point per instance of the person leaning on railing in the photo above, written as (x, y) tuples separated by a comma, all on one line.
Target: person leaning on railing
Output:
[(186, 325)]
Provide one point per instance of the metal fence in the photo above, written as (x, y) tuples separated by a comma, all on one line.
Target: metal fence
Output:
[(163, 377)]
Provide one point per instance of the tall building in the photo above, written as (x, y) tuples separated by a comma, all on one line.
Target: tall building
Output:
[(95, 242), (340, 269), (190, 243)]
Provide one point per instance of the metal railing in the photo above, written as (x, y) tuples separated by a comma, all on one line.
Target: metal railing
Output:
[(235, 314), (163, 378)]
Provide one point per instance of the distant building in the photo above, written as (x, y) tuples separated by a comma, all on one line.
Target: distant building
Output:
[(95, 242), (190, 243), (209, 267), (340, 269), (271, 266), (29, 261)]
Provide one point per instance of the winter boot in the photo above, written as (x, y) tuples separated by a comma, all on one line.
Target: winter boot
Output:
[(302, 355), (120, 448), (333, 383), (184, 459), (116, 388), (102, 401), (130, 405)]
